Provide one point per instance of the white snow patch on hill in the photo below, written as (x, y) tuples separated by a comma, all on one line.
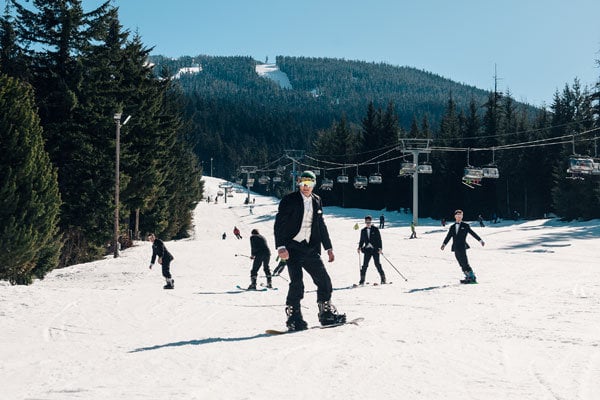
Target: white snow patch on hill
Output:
[(272, 71)]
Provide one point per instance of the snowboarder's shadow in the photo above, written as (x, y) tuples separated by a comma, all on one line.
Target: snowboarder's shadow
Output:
[(198, 342)]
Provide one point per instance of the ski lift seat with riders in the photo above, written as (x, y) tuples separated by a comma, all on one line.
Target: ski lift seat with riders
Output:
[(580, 165), (407, 169), (360, 182)]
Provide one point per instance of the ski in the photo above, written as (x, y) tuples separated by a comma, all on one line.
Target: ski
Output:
[(252, 290), (357, 285), (264, 285), (354, 321)]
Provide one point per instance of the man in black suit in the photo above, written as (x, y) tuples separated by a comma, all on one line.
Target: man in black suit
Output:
[(260, 253), (370, 244), (299, 233), (458, 232)]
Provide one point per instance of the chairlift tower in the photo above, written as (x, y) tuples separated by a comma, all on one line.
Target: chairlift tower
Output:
[(415, 147), (294, 155), (248, 169)]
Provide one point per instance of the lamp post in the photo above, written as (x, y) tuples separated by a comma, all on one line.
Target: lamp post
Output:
[(211, 169), (117, 118)]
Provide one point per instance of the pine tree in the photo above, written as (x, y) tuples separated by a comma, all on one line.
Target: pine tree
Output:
[(29, 197)]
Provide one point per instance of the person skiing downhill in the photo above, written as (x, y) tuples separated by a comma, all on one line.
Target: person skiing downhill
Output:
[(300, 231), (458, 233), (260, 253), (164, 259), (370, 245)]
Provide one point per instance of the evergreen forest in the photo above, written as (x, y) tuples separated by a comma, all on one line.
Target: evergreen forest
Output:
[(79, 92)]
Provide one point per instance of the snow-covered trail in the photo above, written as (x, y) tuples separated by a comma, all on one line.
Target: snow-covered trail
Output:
[(107, 329)]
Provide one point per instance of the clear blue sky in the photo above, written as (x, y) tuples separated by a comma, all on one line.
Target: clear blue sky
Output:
[(538, 46)]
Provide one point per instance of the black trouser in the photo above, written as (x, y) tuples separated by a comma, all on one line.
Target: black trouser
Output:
[(166, 272), (461, 257), (304, 256), (258, 260), (370, 252)]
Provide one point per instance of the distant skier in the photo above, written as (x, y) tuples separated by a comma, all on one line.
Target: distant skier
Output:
[(260, 254), (413, 231), (458, 233), (480, 219), (381, 221), (236, 232), (164, 259), (370, 245)]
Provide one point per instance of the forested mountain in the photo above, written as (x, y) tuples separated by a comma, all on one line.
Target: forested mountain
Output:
[(347, 118)]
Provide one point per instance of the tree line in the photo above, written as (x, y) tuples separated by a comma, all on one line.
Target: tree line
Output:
[(65, 73)]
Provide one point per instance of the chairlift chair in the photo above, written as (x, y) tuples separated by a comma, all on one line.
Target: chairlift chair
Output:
[(342, 179), (327, 184), (360, 182), (264, 179), (375, 178), (472, 176), (424, 169), (407, 169), (250, 182), (490, 172), (580, 165), (276, 179)]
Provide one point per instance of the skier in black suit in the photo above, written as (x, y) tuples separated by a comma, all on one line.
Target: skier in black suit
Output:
[(299, 233), (261, 254), (458, 232), (370, 244)]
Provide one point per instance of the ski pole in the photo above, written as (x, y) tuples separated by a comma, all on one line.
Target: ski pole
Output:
[(242, 255), (386, 259)]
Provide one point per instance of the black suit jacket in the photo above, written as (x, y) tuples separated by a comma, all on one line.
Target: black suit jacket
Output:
[(459, 240), (374, 239), (159, 250), (288, 222), (258, 246)]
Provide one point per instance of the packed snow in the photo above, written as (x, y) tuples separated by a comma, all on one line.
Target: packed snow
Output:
[(107, 330), (272, 71)]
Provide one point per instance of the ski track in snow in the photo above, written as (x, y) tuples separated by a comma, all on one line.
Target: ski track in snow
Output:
[(529, 330)]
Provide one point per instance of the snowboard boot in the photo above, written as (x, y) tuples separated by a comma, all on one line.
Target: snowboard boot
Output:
[(295, 322), (170, 284), (328, 314), (469, 278)]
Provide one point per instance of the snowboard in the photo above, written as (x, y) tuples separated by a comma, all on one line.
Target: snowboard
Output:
[(354, 321)]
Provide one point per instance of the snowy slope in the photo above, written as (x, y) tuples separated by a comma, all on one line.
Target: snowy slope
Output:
[(272, 71), (107, 329)]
